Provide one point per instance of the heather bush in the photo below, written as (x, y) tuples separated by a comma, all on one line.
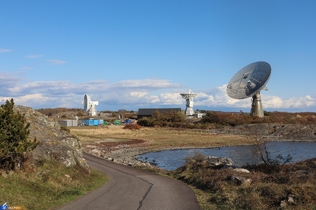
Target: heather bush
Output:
[(132, 126), (146, 122), (167, 119), (214, 119), (233, 119), (270, 164), (266, 191)]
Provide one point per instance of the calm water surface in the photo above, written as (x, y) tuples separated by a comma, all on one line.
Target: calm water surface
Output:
[(240, 155)]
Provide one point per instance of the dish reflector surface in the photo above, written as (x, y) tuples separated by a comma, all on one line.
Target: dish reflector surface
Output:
[(249, 80)]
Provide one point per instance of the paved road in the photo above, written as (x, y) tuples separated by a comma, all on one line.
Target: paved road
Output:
[(130, 188)]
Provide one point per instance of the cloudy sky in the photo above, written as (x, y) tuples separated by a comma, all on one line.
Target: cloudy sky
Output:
[(144, 53)]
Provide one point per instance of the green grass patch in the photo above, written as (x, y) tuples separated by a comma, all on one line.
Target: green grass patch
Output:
[(48, 186)]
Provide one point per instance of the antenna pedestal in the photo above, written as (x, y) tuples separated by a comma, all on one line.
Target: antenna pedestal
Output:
[(92, 111), (256, 106), (189, 111), (189, 99)]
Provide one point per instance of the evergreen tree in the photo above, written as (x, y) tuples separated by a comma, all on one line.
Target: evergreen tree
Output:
[(14, 132)]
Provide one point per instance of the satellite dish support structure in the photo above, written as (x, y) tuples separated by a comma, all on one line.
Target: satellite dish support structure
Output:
[(89, 106), (256, 106)]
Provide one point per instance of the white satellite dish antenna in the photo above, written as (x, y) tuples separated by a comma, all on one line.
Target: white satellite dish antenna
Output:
[(89, 106), (248, 82), (189, 96)]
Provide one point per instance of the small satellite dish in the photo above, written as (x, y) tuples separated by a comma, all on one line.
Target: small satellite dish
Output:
[(89, 106), (248, 82)]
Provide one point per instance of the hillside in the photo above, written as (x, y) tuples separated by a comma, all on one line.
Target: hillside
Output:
[(54, 141)]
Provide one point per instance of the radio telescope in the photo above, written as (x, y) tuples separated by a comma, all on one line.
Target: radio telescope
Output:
[(248, 82), (89, 106), (189, 99)]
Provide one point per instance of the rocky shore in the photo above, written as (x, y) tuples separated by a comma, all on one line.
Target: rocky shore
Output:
[(125, 152), (121, 153)]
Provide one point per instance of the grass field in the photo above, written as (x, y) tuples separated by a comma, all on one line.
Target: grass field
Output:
[(159, 138)]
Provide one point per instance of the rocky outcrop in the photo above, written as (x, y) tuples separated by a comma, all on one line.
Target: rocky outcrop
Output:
[(55, 143), (124, 156), (238, 180), (217, 162), (272, 131)]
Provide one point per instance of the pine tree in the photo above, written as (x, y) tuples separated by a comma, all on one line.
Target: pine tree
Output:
[(14, 132)]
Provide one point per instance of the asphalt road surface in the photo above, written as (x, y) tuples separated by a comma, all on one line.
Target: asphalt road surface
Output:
[(134, 189)]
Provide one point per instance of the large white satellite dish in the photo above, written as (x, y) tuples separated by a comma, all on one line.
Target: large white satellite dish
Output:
[(248, 82), (89, 106)]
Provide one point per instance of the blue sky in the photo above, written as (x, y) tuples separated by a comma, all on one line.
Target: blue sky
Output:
[(144, 53)]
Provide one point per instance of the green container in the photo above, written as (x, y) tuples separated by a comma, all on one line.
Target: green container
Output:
[(117, 122)]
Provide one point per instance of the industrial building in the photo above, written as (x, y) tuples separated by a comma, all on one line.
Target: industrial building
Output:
[(68, 123)]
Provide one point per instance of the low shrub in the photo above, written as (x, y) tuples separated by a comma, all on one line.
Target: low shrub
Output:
[(132, 126), (267, 190)]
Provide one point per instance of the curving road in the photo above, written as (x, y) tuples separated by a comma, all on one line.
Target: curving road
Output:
[(130, 188)]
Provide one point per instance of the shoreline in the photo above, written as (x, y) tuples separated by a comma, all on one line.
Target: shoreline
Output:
[(126, 155)]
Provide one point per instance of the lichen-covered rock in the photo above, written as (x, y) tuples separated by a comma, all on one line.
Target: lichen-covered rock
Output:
[(241, 170), (54, 142), (240, 180), (217, 162)]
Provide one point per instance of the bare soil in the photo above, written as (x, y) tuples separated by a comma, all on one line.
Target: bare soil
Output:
[(113, 146)]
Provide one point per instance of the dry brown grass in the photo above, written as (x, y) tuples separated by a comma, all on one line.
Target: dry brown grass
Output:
[(132, 126), (159, 138), (215, 190)]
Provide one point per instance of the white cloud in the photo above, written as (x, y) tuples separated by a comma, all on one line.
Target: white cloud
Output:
[(138, 94), (132, 94), (57, 62), (171, 98), (26, 68), (217, 97), (7, 81), (66, 93), (146, 83), (276, 102), (5, 50), (34, 56)]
